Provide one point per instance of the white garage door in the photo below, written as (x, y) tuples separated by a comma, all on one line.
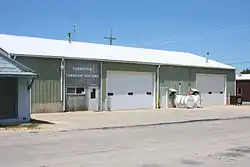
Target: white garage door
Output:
[(130, 90), (212, 88)]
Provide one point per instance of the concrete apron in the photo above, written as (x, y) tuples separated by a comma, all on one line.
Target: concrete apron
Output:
[(134, 118)]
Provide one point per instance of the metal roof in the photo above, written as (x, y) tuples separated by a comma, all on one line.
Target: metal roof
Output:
[(243, 77), (10, 67), (32, 46)]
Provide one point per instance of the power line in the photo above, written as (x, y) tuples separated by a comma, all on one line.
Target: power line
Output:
[(172, 40), (242, 62)]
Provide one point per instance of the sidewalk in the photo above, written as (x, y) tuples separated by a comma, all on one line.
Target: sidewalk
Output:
[(74, 121)]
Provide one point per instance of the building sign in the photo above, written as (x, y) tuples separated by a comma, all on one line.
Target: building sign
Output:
[(82, 69), (74, 75), (83, 73), (91, 76)]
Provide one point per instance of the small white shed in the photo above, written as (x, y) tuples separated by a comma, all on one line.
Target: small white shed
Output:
[(15, 88)]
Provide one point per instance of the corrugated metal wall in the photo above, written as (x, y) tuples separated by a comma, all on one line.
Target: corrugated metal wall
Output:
[(46, 88), (171, 76)]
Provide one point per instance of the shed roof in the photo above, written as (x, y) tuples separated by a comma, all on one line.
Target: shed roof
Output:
[(243, 77), (10, 67), (33, 46)]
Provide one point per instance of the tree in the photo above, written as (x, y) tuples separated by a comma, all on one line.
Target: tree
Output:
[(245, 71)]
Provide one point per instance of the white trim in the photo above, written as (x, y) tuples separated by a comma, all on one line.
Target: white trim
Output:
[(129, 72), (154, 85), (225, 91), (201, 74), (18, 73), (4, 52), (106, 100), (30, 100), (157, 87), (61, 79), (242, 77), (119, 61), (64, 87)]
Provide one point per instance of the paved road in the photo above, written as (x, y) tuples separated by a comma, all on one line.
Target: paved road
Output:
[(219, 143)]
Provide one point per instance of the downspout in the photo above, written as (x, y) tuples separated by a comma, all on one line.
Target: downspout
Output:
[(101, 88), (158, 86), (31, 83), (62, 82)]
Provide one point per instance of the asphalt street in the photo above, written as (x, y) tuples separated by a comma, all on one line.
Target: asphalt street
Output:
[(215, 143)]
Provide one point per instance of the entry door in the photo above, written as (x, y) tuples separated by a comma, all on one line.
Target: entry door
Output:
[(8, 96), (93, 98)]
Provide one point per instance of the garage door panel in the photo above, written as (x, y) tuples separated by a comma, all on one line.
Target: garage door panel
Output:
[(212, 88), (212, 99), (130, 90), (210, 83), (120, 102)]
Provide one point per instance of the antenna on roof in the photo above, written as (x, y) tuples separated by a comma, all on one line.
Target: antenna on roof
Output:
[(69, 37), (207, 57), (73, 30), (70, 33)]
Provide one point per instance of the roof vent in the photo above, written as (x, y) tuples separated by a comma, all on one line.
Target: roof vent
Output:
[(207, 57), (69, 37)]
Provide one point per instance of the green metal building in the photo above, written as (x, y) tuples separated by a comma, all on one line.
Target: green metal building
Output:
[(76, 76)]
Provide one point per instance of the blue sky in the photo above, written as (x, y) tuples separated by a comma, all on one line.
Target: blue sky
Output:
[(221, 27)]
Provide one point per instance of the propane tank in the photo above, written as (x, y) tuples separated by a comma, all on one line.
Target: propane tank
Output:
[(189, 101), (186, 101), (178, 101)]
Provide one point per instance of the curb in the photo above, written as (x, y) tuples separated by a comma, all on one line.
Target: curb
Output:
[(157, 124)]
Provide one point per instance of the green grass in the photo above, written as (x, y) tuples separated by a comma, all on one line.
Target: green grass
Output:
[(33, 124), (21, 126)]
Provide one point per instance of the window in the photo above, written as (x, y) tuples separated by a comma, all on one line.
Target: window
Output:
[(239, 91), (70, 90), (79, 90), (93, 93), (75, 90)]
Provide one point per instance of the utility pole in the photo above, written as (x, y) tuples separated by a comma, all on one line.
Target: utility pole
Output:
[(110, 38)]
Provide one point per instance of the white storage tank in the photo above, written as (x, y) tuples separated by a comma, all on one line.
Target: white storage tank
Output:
[(186, 101)]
